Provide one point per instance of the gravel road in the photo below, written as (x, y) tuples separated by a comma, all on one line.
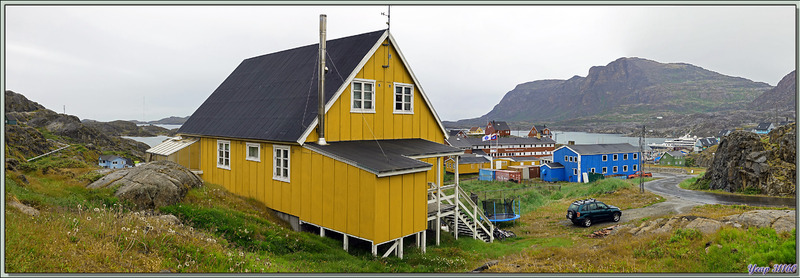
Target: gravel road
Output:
[(679, 200)]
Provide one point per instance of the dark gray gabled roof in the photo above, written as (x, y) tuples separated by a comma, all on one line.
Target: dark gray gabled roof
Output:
[(763, 126), (500, 125), (676, 154), (707, 142), (478, 141), (553, 165), (724, 132), (274, 96), (384, 157), (472, 159), (540, 127), (108, 157), (603, 148)]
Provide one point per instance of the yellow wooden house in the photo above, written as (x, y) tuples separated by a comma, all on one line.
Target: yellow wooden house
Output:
[(376, 176)]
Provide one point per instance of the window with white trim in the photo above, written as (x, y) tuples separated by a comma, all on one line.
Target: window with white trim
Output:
[(625, 156), (254, 152), (605, 170), (624, 168), (280, 170), (403, 98), (566, 158), (224, 154), (635, 167), (575, 171), (635, 156), (615, 157), (615, 169), (605, 158), (591, 170), (363, 95)]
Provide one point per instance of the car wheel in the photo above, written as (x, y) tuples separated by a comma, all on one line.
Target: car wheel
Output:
[(587, 222), (617, 216)]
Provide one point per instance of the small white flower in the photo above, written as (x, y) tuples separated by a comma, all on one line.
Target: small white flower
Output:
[(88, 218), (96, 210)]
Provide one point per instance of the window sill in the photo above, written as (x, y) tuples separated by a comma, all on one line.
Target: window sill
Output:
[(224, 167), (362, 111), (253, 159), (404, 112), (281, 179)]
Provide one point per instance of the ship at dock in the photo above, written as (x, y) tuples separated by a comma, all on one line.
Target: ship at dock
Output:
[(685, 142)]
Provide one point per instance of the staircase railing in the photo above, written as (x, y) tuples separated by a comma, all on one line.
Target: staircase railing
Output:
[(469, 208)]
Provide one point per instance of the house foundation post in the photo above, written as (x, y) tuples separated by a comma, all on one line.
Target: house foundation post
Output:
[(455, 215), (346, 243)]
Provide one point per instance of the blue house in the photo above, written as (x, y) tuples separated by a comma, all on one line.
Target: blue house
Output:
[(115, 162), (552, 172), (607, 159)]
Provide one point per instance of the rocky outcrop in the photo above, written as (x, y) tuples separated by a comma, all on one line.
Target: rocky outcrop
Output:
[(14, 203), (780, 220), (33, 119), (19, 103), (150, 185), (745, 163)]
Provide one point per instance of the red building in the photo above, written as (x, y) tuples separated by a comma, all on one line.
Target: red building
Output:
[(540, 131), (501, 128)]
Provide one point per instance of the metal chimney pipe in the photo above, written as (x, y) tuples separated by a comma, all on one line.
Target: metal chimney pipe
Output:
[(321, 112)]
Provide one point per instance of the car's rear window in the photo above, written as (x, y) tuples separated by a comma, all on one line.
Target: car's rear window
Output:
[(573, 207)]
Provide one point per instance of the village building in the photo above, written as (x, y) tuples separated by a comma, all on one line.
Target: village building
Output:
[(722, 133), (673, 158), (572, 163), (468, 164), (510, 147), (114, 162), (475, 131), (457, 133), (703, 143), (540, 131), (763, 128), (498, 127), (362, 159)]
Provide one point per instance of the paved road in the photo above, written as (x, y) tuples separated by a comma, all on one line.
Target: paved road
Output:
[(680, 200)]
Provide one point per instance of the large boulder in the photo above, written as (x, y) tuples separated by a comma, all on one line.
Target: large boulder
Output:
[(780, 220), (150, 185), (746, 162)]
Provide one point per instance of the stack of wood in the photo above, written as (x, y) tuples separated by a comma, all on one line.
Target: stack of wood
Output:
[(602, 232)]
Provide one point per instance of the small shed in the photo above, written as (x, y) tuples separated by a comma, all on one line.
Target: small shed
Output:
[(524, 170), (508, 175), (552, 172), (486, 174), (183, 151)]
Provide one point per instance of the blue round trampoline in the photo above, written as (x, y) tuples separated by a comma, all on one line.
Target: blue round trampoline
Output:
[(501, 210)]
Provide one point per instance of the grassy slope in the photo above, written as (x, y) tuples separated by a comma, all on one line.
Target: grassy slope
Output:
[(82, 230)]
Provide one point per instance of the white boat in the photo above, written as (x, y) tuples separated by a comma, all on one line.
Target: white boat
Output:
[(683, 142)]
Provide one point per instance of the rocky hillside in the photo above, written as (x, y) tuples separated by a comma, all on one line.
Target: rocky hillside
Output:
[(781, 98), (627, 86), (747, 162), (35, 124)]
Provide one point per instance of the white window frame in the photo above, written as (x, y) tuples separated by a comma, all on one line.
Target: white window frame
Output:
[(286, 163), (566, 158), (615, 157), (256, 158), (635, 156), (353, 109), (605, 170), (605, 157), (625, 156), (624, 168), (615, 168), (591, 170), (575, 171), (402, 101), (227, 159), (635, 167)]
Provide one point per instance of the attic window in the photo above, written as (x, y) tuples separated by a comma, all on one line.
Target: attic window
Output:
[(403, 98), (363, 96)]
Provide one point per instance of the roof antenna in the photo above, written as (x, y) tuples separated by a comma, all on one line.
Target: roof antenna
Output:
[(388, 15)]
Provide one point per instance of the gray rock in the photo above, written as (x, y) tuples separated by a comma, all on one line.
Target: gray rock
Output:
[(704, 225), (169, 219), (151, 185), (23, 208), (780, 220)]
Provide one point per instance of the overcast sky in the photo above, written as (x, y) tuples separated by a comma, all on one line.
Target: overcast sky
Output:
[(150, 62)]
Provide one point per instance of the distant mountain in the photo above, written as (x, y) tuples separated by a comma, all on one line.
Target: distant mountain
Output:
[(625, 90), (171, 121), (781, 98)]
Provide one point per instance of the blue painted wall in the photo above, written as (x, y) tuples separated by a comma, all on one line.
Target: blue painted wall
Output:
[(572, 173), (551, 175)]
